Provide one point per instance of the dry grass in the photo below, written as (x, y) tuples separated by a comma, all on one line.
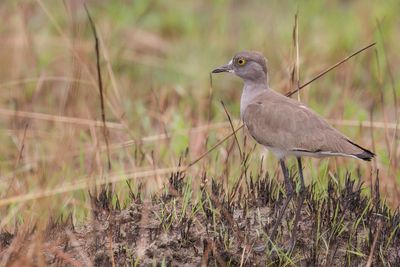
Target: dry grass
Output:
[(161, 113)]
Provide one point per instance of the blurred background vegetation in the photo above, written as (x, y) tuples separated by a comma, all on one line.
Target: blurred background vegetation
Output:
[(156, 56)]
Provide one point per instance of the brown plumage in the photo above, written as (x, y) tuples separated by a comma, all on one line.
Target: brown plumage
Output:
[(290, 128), (285, 126)]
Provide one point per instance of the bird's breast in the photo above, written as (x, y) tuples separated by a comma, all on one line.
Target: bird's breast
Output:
[(249, 94)]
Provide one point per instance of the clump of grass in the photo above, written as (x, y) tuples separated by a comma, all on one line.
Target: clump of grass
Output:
[(342, 227)]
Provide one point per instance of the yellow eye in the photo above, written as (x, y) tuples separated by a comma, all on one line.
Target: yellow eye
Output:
[(241, 61)]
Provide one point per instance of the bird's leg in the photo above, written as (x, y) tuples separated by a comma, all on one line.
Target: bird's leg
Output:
[(289, 194), (288, 183), (303, 187), (299, 205)]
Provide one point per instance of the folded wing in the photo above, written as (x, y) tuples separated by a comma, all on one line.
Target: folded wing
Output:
[(273, 121)]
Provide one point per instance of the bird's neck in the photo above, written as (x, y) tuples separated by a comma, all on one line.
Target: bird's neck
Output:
[(259, 84), (251, 90)]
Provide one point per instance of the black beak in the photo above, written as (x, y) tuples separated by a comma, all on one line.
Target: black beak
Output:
[(224, 68)]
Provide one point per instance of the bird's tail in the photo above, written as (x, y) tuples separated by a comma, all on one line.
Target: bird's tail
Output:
[(365, 153)]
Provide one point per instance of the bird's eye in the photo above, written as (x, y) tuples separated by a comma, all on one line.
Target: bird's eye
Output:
[(241, 61)]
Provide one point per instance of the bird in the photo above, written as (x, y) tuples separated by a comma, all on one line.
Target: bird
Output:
[(285, 126)]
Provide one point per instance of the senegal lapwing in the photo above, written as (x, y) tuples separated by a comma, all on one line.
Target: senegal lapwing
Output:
[(285, 126)]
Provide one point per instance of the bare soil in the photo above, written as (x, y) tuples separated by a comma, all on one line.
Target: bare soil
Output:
[(344, 228)]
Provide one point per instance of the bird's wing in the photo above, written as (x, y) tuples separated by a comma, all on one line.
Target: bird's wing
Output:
[(283, 123)]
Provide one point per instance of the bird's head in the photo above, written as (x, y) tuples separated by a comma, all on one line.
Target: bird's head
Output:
[(250, 66)]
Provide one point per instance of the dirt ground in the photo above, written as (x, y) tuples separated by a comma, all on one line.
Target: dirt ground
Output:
[(344, 228)]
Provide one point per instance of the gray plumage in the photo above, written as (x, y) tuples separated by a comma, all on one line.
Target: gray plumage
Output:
[(281, 124)]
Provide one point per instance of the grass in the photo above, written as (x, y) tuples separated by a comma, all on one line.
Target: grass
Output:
[(161, 114), (174, 230)]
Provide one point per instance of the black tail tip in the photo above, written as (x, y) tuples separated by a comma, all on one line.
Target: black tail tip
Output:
[(365, 155)]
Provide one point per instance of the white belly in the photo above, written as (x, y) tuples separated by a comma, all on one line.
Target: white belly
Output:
[(281, 153)]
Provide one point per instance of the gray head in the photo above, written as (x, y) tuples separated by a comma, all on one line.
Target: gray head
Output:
[(250, 66)]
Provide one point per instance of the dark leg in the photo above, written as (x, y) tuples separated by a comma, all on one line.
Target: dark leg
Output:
[(299, 205), (289, 194), (288, 183), (303, 187)]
